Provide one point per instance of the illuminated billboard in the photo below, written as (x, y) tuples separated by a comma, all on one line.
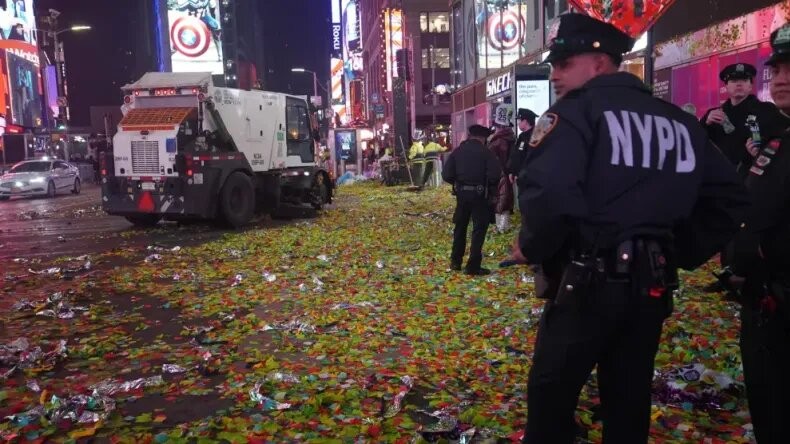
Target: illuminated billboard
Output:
[(18, 21), (195, 36), (20, 78), (393, 40), (25, 91), (500, 33), (351, 25)]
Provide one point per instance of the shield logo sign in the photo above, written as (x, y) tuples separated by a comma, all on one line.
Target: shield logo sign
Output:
[(190, 36)]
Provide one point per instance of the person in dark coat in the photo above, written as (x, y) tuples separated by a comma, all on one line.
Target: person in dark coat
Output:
[(731, 125), (727, 125), (620, 189), (474, 172), (760, 254), (518, 152), (501, 144)]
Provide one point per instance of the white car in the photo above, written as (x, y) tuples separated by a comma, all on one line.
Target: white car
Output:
[(39, 178)]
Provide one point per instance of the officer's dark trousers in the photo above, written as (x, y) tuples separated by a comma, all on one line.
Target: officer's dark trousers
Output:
[(617, 330), (470, 206), (765, 352)]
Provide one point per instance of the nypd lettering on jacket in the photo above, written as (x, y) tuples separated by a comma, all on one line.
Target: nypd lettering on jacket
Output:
[(649, 141)]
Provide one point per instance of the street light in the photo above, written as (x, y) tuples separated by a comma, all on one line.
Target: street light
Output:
[(315, 78), (60, 62)]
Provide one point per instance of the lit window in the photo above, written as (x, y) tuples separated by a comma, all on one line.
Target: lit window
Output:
[(438, 22), (441, 57), (426, 60), (424, 21)]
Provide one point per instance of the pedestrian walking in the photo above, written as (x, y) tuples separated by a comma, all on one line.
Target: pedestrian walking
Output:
[(761, 256), (619, 190), (474, 172), (501, 143)]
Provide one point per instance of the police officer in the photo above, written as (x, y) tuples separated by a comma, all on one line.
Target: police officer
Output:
[(526, 121), (727, 125), (761, 256), (474, 172), (619, 189)]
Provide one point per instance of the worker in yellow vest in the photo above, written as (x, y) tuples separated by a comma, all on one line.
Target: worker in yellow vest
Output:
[(417, 159), (432, 152)]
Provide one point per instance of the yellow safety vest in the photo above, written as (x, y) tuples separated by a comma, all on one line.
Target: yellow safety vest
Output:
[(417, 152)]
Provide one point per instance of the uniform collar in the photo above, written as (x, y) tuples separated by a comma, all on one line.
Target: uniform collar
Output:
[(619, 79)]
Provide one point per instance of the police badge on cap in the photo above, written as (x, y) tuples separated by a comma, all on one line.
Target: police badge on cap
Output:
[(580, 33), (738, 71)]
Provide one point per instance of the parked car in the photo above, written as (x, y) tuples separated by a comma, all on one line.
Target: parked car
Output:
[(40, 178)]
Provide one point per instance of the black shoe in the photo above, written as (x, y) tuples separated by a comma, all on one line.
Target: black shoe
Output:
[(478, 272), (455, 266)]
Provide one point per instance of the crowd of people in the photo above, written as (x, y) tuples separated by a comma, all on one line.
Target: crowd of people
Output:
[(617, 191)]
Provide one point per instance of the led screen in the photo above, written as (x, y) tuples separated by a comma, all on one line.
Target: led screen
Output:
[(195, 32)]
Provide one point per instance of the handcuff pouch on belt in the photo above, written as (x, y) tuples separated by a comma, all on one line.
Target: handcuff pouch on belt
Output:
[(654, 273), (643, 262)]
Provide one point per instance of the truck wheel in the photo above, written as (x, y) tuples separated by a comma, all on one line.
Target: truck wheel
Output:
[(144, 220), (237, 200), (320, 192)]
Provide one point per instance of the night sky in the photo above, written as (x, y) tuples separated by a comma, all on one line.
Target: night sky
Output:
[(101, 60)]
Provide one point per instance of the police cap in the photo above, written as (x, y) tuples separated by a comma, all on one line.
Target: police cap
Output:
[(738, 71), (780, 44), (580, 33), (480, 131), (528, 115)]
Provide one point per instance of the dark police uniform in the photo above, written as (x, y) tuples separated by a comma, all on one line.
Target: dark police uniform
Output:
[(761, 255), (519, 151), (733, 145), (620, 188), (474, 172)]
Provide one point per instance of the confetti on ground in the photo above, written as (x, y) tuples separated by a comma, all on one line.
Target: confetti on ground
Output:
[(347, 326)]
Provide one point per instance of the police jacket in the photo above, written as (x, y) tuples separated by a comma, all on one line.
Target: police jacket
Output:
[(733, 145), (518, 153), (764, 238), (472, 164), (610, 158)]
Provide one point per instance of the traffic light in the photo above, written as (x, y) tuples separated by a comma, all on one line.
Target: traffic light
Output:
[(402, 66)]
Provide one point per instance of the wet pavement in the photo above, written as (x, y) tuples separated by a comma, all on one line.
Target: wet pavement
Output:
[(72, 225)]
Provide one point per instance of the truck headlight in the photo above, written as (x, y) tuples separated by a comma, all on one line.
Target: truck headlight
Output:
[(37, 180)]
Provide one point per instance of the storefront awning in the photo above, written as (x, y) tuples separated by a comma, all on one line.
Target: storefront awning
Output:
[(152, 119)]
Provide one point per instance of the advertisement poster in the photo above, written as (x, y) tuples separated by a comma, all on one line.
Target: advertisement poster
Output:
[(195, 35), (534, 95), (18, 21), (500, 33), (346, 145), (25, 93), (351, 25), (662, 84)]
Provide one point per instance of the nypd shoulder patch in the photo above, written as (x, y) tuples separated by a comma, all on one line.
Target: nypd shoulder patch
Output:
[(543, 127)]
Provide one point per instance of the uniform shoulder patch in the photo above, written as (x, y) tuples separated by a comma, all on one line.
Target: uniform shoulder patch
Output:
[(543, 127)]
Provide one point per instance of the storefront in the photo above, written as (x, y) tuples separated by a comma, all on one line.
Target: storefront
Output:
[(687, 68)]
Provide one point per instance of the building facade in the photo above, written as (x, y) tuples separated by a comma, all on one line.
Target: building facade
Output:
[(408, 39), (498, 48)]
